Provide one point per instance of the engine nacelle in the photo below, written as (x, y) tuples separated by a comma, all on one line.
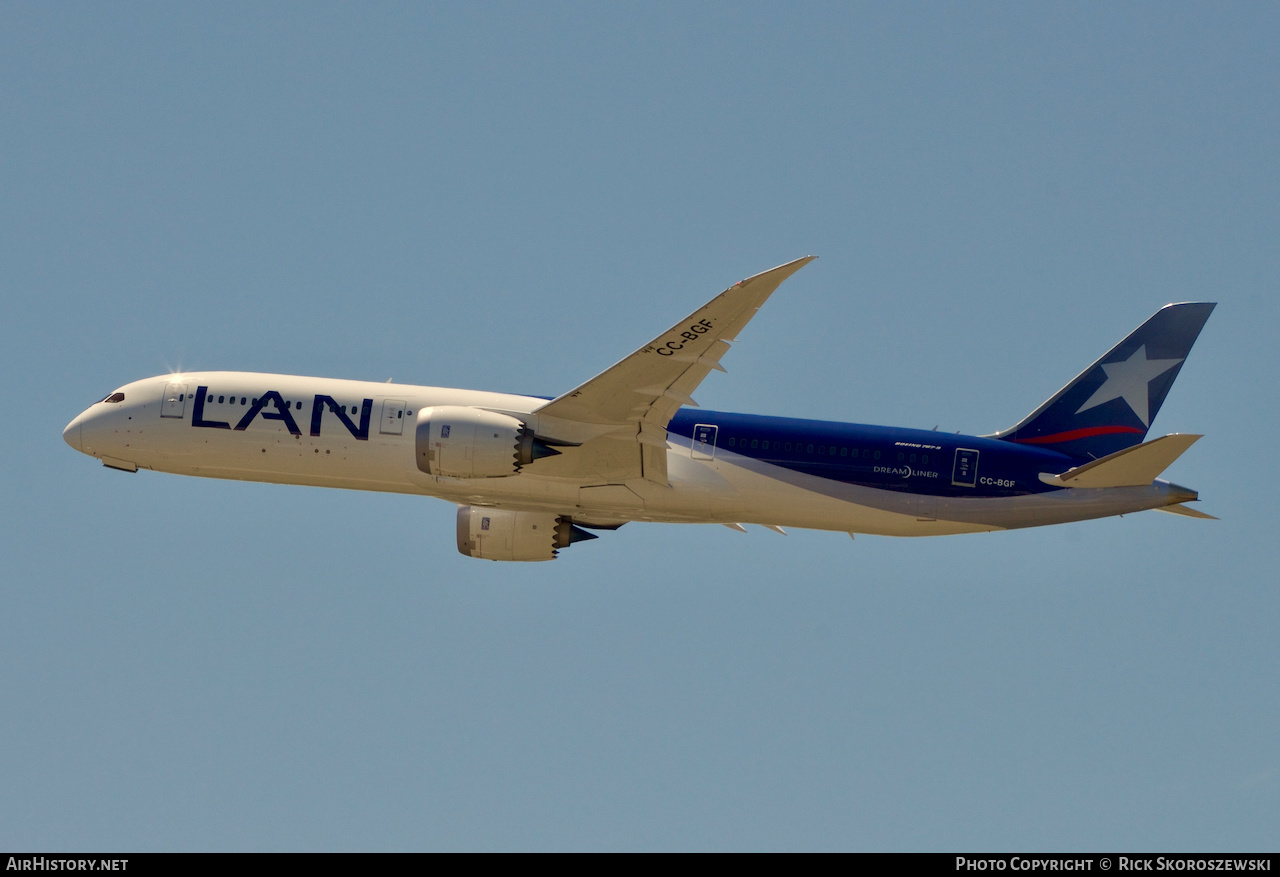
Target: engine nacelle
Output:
[(502, 534), (470, 443)]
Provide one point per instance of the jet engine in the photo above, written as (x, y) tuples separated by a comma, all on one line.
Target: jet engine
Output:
[(471, 443), (502, 534)]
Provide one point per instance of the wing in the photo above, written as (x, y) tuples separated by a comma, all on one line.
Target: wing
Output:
[(639, 395)]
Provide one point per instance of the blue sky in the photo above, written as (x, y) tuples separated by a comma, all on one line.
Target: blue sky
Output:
[(512, 197)]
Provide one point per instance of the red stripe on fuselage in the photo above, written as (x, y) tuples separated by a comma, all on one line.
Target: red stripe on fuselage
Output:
[(1073, 434)]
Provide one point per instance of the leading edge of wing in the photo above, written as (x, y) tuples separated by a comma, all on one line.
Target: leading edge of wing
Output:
[(650, 385)]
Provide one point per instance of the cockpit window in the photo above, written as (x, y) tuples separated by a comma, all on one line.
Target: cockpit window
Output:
[(114, 397)]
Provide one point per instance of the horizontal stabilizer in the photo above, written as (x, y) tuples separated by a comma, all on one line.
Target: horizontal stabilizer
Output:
[(1180, 509), (1137, 466)]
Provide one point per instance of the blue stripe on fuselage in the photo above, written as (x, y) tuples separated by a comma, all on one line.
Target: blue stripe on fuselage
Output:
[(889, 458)]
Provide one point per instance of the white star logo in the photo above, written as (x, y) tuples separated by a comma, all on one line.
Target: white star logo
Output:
[(1128, 380)]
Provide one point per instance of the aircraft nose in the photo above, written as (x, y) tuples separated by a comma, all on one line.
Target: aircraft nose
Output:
[(71, 435)]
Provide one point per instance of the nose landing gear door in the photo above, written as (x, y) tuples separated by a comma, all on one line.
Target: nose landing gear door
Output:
[(174, 403)]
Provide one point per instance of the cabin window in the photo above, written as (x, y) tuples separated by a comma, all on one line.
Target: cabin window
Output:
[(243, 400), (754, 442), (924, 460), (877, 455), (788, 446), (913, 458), (220, 398)]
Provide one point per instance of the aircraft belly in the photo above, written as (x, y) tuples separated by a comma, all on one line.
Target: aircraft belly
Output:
[(756, 497), (1056, 507), (764, 493)]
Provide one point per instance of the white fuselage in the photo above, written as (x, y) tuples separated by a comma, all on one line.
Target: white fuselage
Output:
[(310, 434)]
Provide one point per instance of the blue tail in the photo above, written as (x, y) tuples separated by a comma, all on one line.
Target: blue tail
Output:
[(1110, 405)]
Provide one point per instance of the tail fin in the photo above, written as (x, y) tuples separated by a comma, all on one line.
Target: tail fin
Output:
[(1110, 405)]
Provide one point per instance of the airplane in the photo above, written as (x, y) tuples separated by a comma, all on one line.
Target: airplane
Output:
[(532, 475)]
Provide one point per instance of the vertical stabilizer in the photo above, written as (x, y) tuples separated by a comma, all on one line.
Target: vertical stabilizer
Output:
[(1110, 405)]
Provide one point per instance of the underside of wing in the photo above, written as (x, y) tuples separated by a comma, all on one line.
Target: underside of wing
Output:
[(651, 384), (635, 399)]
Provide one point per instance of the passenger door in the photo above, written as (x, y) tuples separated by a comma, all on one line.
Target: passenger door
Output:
[(704, 441), (965, 471), (174, 403), (392, 417)]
